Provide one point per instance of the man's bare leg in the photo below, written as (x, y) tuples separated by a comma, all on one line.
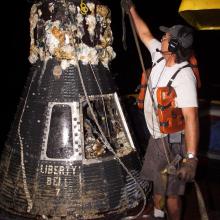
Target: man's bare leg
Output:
[(174, 207), (159, 205)]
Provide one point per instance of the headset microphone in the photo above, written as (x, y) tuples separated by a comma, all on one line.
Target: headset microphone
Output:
[(163, 52)]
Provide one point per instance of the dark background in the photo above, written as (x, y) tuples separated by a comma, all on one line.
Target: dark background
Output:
[(125, 68)]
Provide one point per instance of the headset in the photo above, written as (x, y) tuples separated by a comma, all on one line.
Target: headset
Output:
[(175, 43)]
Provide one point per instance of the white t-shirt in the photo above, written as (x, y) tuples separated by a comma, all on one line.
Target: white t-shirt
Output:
[(184, 85)]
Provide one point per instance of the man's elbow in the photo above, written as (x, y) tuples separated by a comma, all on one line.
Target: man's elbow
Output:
[(190, 114)]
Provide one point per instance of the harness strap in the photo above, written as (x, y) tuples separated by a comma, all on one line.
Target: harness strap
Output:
[(154, 64), (175, 74), (163, 107)]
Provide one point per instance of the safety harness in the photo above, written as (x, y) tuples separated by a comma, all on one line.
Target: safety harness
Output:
[(143, 85), (170, 117)]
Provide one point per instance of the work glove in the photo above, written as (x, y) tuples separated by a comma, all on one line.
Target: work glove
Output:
[(126, 5), (187, 169)]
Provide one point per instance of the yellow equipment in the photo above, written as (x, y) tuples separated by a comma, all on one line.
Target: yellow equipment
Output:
[(201, 14)]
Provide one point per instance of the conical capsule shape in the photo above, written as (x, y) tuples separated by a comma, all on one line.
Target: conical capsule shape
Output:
[(66, 149)]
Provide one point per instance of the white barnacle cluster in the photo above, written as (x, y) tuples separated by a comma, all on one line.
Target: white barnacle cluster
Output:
[(87, 54), (53, 36), (91, 20), (67, 39), (33, 23)]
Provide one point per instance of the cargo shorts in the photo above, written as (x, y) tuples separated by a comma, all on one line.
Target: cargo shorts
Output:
[(155, 161)]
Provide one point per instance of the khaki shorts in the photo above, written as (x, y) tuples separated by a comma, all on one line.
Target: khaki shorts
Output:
[(155, 161)]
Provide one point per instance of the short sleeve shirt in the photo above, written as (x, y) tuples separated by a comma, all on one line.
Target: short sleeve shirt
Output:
[(184, 85)]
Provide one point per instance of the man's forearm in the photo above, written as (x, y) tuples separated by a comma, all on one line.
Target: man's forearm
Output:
[(141, 27), (191, 129)]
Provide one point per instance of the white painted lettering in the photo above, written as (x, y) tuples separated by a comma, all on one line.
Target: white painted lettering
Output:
[(49, 181), (50, 169), (55, 170), (61, 170), (56, 181)]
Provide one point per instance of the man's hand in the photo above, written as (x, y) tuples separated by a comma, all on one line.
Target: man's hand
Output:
[(187, 169), (126, 5)]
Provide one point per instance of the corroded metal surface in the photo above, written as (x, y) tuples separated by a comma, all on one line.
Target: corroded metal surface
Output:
[(61, 158)]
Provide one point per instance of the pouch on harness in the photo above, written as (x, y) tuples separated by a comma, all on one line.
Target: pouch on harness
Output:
[(170, 117), (143, 86)]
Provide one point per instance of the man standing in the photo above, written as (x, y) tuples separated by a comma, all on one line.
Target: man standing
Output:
[(170, 69)]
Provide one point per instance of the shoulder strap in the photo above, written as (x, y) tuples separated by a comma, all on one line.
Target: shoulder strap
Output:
[(175, 74), (154, 64)]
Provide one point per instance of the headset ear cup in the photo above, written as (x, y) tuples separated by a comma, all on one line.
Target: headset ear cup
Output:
[(173, 45)]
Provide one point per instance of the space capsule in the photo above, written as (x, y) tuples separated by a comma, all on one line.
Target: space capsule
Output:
[(69, 152)]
